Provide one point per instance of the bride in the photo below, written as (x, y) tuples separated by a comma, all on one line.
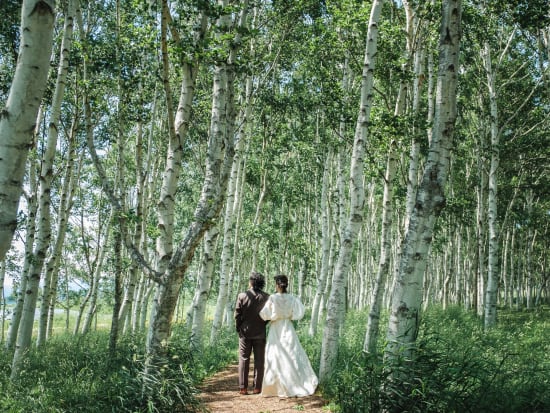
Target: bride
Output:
[(288, 372)]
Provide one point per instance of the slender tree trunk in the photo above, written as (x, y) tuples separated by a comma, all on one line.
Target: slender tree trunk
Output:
[(177, 126), (65, 205), (18, 117), (371, 337), (325, 248), (198, 308), (146, 183), (2, 298), (47, 173), (407, 294), (29, 242), (481, 227), (128, 301), (226, 276), (91, 265), (95, 277), (220, 153), (492, 274), (258, 216), (117, 296), (336, 301)]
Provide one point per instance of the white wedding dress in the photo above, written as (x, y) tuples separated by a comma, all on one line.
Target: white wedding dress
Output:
[(288, 372)]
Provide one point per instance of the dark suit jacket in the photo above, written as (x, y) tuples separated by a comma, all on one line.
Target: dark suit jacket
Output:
[(248, 322)]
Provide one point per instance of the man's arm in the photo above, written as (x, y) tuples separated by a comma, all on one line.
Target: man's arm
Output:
[(238, 313)]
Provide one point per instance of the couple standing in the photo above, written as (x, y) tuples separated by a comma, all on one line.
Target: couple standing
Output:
[(281, 366)]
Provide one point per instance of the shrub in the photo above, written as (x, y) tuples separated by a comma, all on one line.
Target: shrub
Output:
[(457, 368), (76, 374)]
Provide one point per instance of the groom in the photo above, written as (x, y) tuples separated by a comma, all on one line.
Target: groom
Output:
[(251, 329)]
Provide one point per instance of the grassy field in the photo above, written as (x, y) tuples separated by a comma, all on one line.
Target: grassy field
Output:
[(459, 368)]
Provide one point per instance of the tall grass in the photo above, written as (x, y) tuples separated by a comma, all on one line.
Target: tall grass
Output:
[(458, 367), (76, 374)]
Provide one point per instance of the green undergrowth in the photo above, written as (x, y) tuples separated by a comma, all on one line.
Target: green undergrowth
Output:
[(458, 367), (76, 374)]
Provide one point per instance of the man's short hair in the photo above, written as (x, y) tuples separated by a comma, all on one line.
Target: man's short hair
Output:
[(257, 280)]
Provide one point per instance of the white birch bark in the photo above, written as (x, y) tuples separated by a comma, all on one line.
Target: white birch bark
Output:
[(124, 315), (218, 128), (44, 214), (227, 248), (325, 248), (336, 301), (236, 212), (18, 117), (415, 52), (198, 307), (481, 227), (147, 180), (46, 177), (258, 216), (178, 126), (371, 337), (52, 265), (407, 294), (30, 234), (2, 299), (219, 160), (96, 276), (339, 214), (490, 305)]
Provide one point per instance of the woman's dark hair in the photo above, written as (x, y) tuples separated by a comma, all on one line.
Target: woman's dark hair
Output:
[(282, 282), (257, 280)]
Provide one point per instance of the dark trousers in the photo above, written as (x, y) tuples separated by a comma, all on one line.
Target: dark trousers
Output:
[(246, 347)]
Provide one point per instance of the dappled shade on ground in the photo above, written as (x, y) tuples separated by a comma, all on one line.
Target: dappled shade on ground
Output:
[(220, 394)]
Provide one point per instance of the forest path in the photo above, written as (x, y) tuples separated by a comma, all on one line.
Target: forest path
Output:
[(220, 394)]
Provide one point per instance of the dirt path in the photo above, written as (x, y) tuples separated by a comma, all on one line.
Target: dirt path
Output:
[(220, 393)]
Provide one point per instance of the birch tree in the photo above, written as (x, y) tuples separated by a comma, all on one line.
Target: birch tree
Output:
[(490, 305), (371, 337), (325, 248), (220, 153), (46, 178), (18, 117), (407, 294), (44, 202), (198, 306), (336, 303), (30, 234)]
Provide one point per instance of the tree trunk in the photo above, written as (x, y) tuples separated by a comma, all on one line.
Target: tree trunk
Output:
[(18, 117), (198, 308), (492, 267), (371, 337), (95, 277), (29, 242), (336, 301), (220, 153), (481, 227), (325, 248), (47, 177), (2, 298), (226, 275), (65, 205), (128, 302), (407, 294)]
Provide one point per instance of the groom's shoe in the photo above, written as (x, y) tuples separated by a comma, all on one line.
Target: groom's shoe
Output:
[(243, 392), (257, 391)]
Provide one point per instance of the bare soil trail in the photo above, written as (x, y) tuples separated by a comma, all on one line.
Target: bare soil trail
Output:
[(220, 394)]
